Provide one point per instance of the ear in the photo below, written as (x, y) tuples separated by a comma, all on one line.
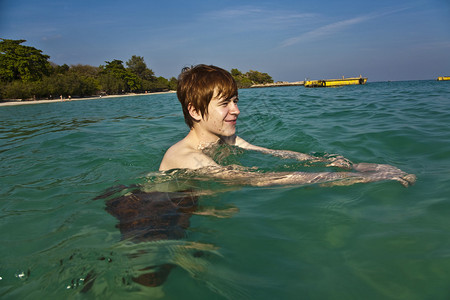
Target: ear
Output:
[(196, 115)]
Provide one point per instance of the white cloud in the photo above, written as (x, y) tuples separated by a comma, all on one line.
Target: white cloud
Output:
[(51, 37), (335, 27), (236, 12), (324, 30), (250, 17)]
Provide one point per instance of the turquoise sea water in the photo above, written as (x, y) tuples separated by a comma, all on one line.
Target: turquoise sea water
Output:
[(365, 241)]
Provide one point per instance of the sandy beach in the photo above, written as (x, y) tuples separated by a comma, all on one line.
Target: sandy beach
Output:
[(26, 102)]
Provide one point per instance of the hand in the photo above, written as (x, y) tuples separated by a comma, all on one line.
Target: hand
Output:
[(406, 180), (339, 161), (387, 172)]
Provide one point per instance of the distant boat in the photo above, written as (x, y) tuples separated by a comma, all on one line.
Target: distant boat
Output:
[(335, 82), (443, 78)]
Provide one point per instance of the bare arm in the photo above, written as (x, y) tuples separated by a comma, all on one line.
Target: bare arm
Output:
[(365, 172), (239, 176), (280, 153), (331, 160), (202, 165)]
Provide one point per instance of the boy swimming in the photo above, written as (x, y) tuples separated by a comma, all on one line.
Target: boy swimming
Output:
[(209, 99)]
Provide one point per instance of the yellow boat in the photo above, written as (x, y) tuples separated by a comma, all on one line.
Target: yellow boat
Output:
[(443, 78), (335, 82)]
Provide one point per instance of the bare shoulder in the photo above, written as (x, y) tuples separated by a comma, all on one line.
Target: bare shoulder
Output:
[(181, 156)]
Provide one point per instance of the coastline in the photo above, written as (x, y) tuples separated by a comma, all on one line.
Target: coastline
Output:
[(26, 102), (279, 83)]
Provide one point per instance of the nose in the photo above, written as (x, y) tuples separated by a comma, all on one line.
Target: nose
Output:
[(234, 110)]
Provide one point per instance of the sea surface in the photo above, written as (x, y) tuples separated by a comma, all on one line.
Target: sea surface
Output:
[(365, 241)]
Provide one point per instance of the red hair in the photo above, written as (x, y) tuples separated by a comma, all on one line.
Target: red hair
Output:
[(196, 87)]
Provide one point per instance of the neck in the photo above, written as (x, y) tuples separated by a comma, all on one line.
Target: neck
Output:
[(201, 139)]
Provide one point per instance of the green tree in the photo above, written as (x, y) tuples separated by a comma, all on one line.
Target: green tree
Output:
[(26, 73), (19, 62), (161, 84), (111, 84), (125, 79), (137, 65), (258, 77), (173, 84), (236, 73), (250, 78), (60, 69), (242, 81), (16, 90), (85, 70)]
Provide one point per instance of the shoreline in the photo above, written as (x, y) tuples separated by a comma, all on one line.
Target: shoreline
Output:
[(278, 83), (26, 102)]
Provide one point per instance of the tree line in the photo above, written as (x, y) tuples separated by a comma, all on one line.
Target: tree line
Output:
[(27, 73), (250, 78)]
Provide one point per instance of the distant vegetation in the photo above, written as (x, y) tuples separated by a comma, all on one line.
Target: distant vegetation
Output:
[(26, 73), (250, 78)]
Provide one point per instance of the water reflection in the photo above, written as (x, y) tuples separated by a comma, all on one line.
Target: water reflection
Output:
[(154, 225)]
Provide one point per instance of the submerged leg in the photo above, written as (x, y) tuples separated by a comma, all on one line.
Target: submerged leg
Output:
[(155, 278), (153, 216)]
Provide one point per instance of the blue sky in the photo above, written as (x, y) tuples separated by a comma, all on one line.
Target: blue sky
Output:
[(289, 39)]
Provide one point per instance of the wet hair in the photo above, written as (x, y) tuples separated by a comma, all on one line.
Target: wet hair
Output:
[(197, 84)]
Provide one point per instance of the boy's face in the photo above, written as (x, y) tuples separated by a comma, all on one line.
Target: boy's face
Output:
[(222, 115)]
